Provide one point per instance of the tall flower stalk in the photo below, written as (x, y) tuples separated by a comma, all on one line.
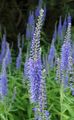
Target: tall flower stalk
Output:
[(66, 48), (35, 74), (35, 57), (3, 48), (51, 55), (8, 55), (30, 26), (65, 64)]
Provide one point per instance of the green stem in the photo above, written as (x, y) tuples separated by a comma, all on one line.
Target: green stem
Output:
[(61, 100)]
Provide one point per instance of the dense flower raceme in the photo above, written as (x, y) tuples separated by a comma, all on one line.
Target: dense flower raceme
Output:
[(3, 81), (38, 9), (64, 70), (42, 98), (38, 89), (71, 73), (35, 76), (66, 47), (19, 59), (3, 78), (66, 55), (3, 48), (35, 53), (35, 43), (30, 26), (64, 25), (8, 58), (58, 72)]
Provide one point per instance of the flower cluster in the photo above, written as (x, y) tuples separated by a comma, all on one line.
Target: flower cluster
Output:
[(3, 76), (30, 26), (3, 48), (35, 73)]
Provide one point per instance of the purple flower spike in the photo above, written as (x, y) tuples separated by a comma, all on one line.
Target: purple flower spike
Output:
[(65, 55), (3, 48), (31, 18), (51, 55), (66, 49), (35, 43), (47, 115), (3, 85), (37, 11), (35, 74), (66, 81), (30, 26), (8, 58), (42, 98), (38, 8), (34, 78), (66, 58), (3, 81), (64, 25)]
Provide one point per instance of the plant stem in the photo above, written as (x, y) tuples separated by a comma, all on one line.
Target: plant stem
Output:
[(61, 99)]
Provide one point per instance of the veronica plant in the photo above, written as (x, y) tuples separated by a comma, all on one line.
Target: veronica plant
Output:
[(64, 67), (8, 58), (35, 76), (66, 47), (42, 98), (30, 26), (38, 9), (3, 80), (64, 27), (35, 55)]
